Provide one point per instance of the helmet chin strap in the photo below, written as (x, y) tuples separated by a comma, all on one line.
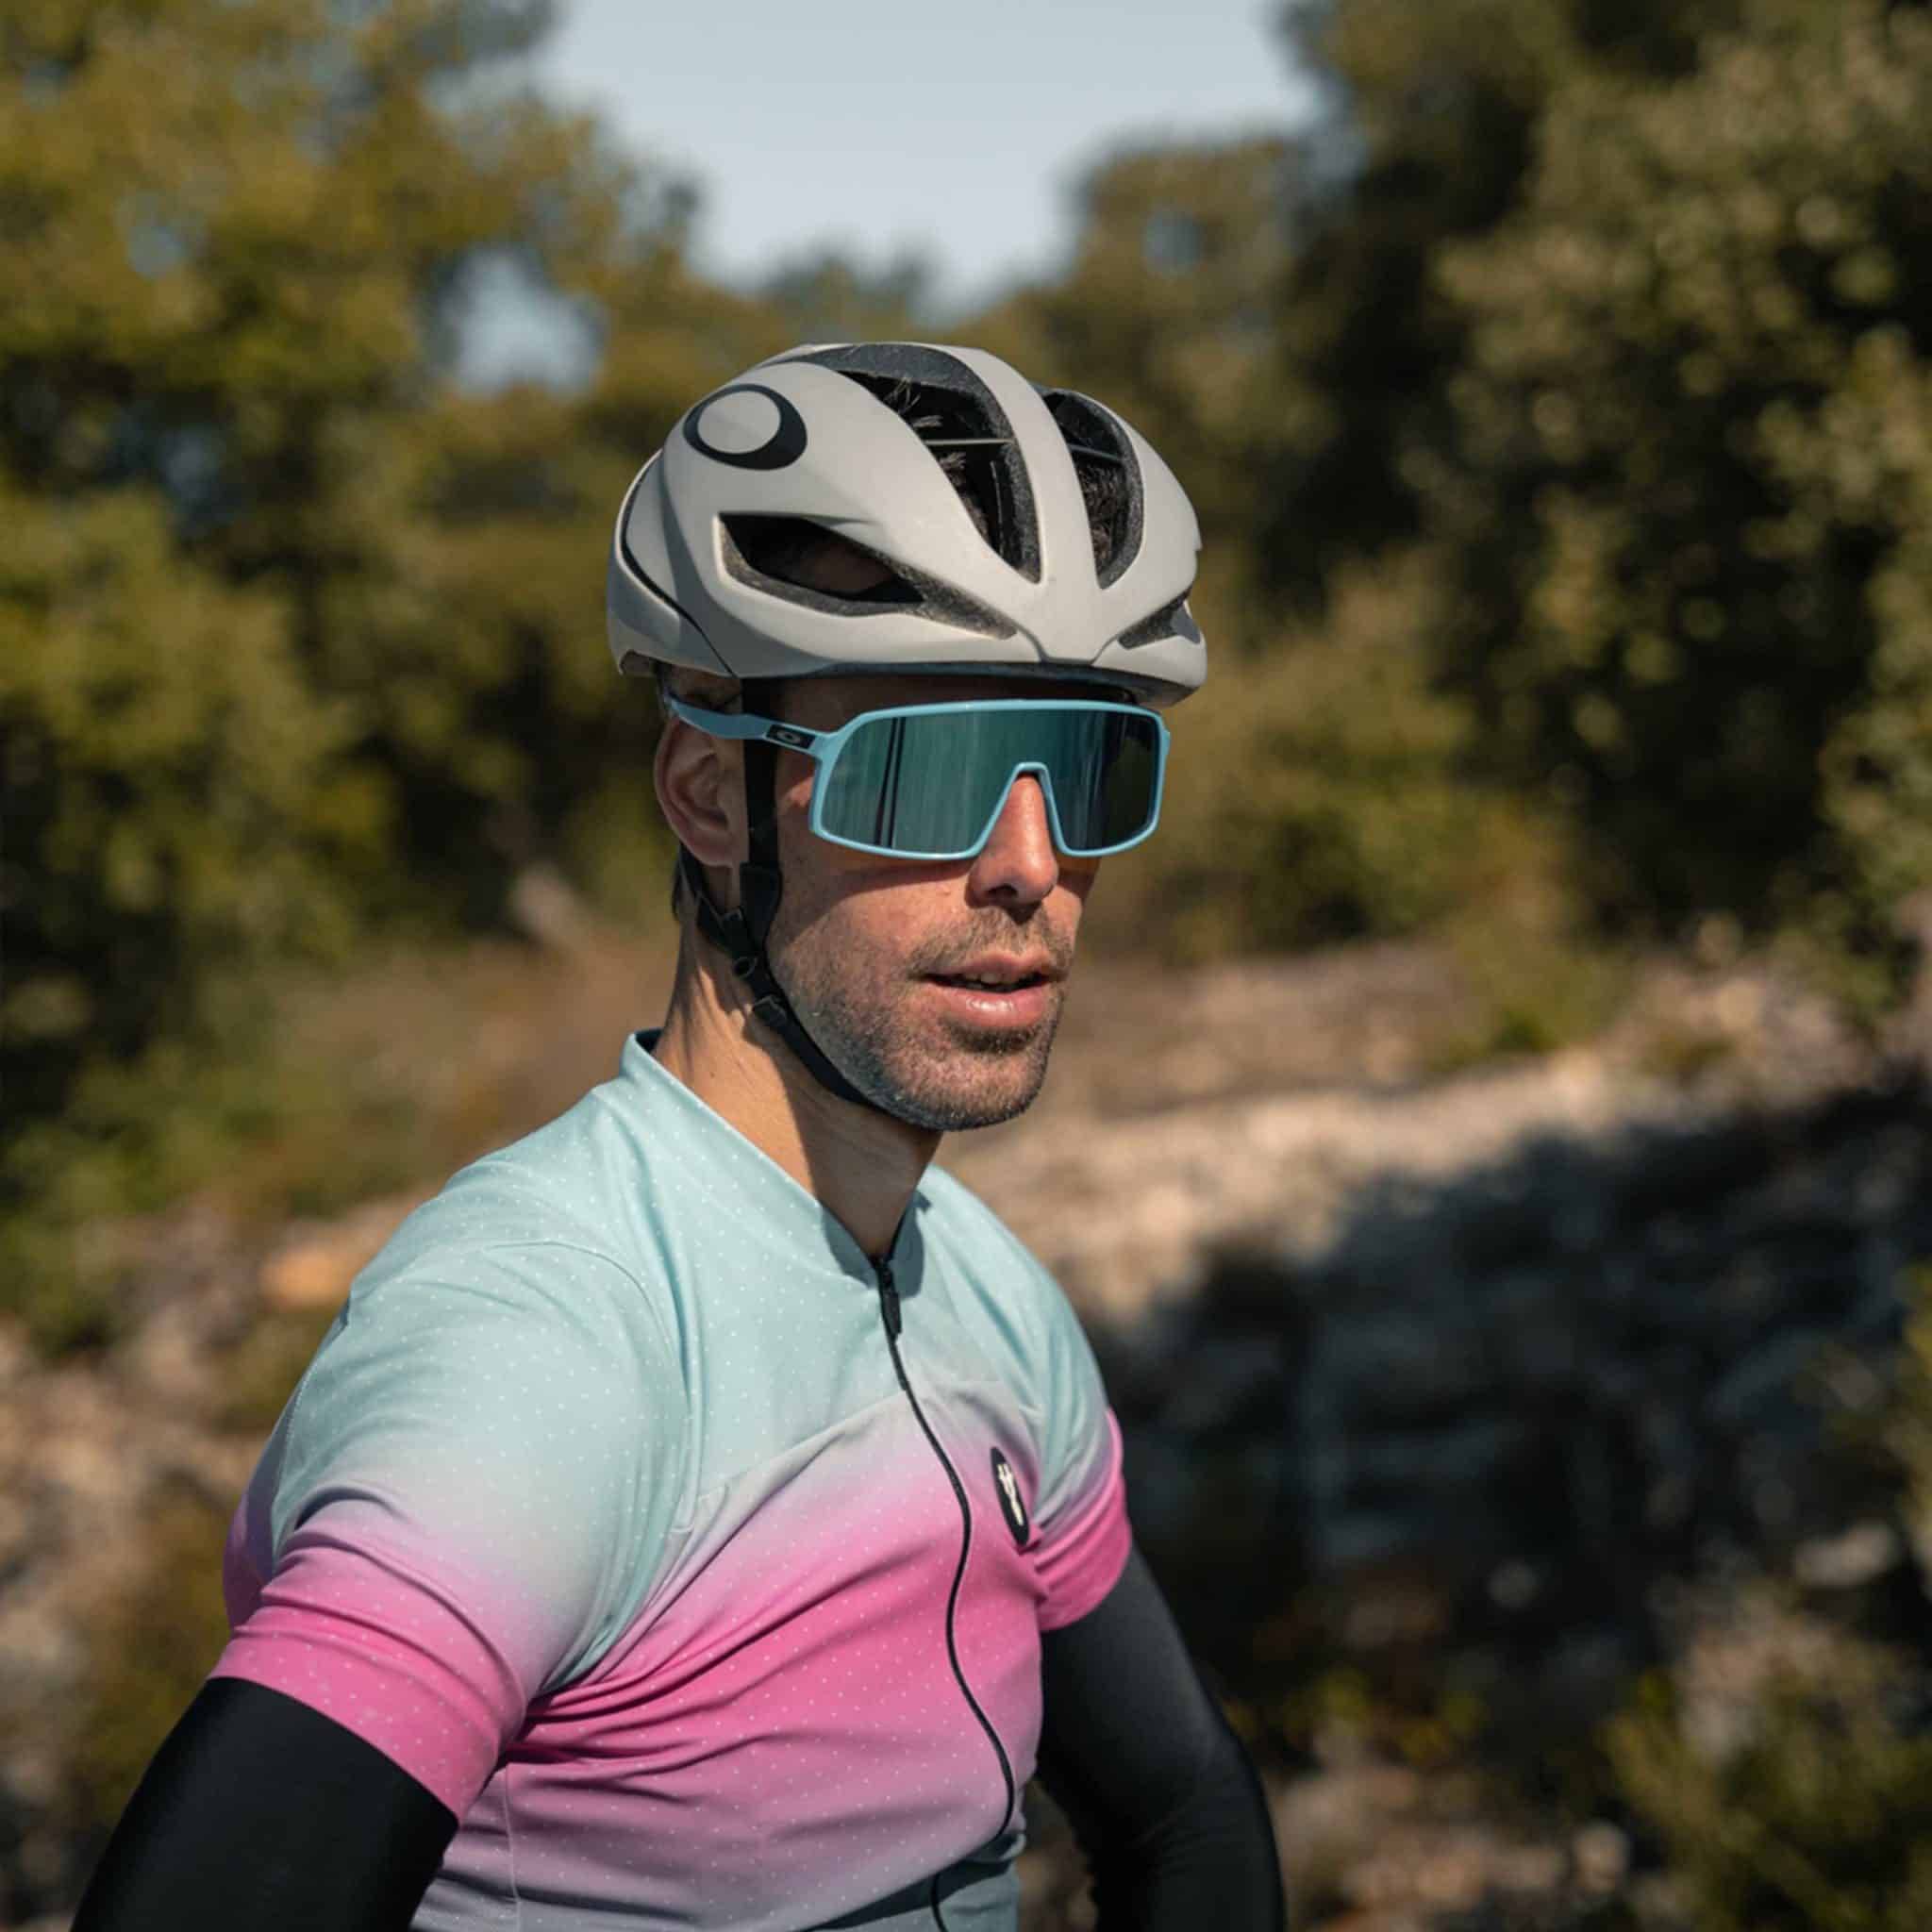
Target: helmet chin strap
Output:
[(740, 933)]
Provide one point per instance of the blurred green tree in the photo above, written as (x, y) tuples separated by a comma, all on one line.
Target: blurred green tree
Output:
[(1428, 128), (1686, 481), (293, 628), (827, 296), (1320, 793)]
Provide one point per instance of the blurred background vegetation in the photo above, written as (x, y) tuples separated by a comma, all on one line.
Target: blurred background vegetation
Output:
[(1557, 408), (1557, 405)]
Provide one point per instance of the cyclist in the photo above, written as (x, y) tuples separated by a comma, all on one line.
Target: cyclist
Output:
[(703, 1512)]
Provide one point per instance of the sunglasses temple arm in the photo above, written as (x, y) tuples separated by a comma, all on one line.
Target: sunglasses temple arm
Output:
[(747, 725)]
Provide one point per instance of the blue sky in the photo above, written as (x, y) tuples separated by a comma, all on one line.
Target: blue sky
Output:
[(956, 132)]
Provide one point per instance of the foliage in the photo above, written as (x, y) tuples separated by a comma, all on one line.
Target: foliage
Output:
[(291, 633), (257, 1374), (1909, 1421), (1556, 408), (1783, 1760), (1688, 487), (1434, 112), (826, 297), (1819, 1816), (1537, 984), (295, 636), (1321, 793), (1616, 312)]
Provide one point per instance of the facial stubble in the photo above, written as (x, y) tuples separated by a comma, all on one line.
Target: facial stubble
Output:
[(914, 1065)]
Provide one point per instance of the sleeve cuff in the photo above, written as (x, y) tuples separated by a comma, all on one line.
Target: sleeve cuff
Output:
[(421, 1685)]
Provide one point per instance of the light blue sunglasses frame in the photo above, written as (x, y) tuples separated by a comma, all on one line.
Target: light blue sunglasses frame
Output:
[(825, 747)]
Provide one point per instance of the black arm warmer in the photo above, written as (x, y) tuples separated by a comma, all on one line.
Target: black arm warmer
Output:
[(261, 1815), (1161, 1795)]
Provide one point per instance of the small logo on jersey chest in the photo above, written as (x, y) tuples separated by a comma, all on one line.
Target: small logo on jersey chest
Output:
[(1012, 1506)]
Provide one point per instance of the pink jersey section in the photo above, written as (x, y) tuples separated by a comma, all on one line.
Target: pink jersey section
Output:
[(780, 1737), (386, 1648), (1084, 1558)]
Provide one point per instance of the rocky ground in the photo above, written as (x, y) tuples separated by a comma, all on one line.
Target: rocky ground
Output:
[(1403, 1295)]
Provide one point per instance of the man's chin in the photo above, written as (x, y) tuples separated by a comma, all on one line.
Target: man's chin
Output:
[(960, 1113), (942, 1072), (982, 1081)]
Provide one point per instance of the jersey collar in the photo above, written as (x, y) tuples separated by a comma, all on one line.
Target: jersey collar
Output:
[(703, 1137)]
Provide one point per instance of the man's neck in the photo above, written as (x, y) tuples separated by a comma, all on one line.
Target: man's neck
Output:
[(861, 1165)]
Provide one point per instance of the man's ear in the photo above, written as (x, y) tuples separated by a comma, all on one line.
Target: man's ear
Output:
[(700, 782)]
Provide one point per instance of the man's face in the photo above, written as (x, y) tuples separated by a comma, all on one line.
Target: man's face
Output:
[(859, 938)]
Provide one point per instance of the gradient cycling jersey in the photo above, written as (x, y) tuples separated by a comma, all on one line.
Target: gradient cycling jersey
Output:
[(697, 1566)]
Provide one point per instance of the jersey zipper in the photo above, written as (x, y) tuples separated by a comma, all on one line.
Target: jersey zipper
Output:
[(889, 1307)]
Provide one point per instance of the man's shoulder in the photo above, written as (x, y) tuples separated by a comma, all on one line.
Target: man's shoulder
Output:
[(981, 1250), (563, 1201), (962, 1219)]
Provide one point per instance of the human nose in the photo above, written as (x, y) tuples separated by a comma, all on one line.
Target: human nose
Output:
[(1018, 861)]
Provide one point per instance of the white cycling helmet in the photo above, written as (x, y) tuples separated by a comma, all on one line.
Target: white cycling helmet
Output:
[(850, 437)]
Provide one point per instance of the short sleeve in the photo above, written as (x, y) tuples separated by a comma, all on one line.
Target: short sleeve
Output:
[(1080, 1515), (464, 1504)]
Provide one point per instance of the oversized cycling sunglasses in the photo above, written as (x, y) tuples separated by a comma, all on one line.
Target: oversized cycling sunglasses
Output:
[(929, 781)]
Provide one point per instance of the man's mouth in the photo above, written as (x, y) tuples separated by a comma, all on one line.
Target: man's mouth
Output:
[(989, 985), (999, 990), (1000, 972)]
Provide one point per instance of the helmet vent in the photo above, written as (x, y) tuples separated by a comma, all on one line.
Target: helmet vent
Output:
[(768, 552), (1109, 478), (1170, 620), (958, 418)]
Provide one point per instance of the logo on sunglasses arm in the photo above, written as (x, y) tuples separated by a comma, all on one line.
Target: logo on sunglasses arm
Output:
[(1007, 1487)]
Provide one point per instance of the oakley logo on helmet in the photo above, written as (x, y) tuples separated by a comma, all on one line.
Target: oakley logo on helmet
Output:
[(757, 429), (1007, 1485)]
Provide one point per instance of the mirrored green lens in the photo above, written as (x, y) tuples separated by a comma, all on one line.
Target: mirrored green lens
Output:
[(928, 783)]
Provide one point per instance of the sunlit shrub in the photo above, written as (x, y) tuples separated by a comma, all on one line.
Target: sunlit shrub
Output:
[(1816, 1814), (1322, 791)]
